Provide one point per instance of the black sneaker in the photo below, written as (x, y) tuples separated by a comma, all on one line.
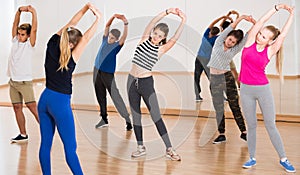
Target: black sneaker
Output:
[(219, 139), (199, 98), (128, 126), (244, 136), (19, 139), (101, 124)]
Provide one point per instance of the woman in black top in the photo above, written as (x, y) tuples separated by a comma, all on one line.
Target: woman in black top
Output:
[(63, 52)]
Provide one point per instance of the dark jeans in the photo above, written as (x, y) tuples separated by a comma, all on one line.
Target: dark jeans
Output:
[(106, 81), (144, 88), (226, 82), (197, 74)]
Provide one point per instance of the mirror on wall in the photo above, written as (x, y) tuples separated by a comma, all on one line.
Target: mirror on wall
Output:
[(174, 72)]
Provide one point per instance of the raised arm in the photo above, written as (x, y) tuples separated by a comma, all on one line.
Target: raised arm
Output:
[(33, 25), (76, 53), (233, 12), (274, 48), (228, 15), (14, 30), (76, 18), (108, 24), (219, 19), (239, 19), (125, 30), (153, 22), (170, 43)]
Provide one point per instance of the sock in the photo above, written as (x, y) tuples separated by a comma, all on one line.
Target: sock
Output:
[(283, 159)]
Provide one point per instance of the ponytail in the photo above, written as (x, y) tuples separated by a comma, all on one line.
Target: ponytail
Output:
[(69, 35), (279, 56), (279, 61), (65, 51)]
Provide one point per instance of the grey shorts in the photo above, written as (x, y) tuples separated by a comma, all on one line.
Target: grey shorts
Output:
[(21, 90)]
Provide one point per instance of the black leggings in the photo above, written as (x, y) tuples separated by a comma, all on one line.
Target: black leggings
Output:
[(143, 87)]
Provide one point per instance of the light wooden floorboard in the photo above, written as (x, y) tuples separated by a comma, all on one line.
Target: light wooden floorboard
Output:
[(107, 150)]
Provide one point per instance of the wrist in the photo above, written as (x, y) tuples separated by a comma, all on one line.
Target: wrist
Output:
[(167, 12), (126, 23), (19, 9), (276, 8)]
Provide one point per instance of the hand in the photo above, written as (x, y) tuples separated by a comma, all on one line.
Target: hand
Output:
[(181, 14), (234, 12), (30, 9), (23, 9), (290, 9), (119, 16), (228, 17), (89, 5), (96, 12), (249, 18), (173, 11)]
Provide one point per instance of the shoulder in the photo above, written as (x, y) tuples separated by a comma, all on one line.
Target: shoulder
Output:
[(55, 38), (105, 37)]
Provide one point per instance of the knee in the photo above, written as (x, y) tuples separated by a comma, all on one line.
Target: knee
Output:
[(251, 126), (18, 107), (136, 121), (270, 125), (31, 106)]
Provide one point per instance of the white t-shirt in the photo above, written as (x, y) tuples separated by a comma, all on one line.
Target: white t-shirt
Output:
[(20, 61)]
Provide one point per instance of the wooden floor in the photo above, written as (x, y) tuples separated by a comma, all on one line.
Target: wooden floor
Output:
[(108, 150)]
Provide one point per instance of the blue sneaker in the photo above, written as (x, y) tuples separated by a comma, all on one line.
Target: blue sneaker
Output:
[(250, 163), (287, 166)]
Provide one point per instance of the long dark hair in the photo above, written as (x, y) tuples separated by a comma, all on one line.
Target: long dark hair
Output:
[(238, 34), (164, 28)]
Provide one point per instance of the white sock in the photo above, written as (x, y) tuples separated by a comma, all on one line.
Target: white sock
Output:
[(283, 159)]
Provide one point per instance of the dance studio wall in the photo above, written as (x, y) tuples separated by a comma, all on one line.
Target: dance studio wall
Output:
[(54, 14)]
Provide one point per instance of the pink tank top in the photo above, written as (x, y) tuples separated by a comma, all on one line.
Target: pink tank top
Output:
[(253, 66)]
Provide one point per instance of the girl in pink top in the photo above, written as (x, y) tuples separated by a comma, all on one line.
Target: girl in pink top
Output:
[(261, 45)]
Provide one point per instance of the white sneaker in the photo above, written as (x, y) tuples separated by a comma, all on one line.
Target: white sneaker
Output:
[(171, 154), (141, 151)]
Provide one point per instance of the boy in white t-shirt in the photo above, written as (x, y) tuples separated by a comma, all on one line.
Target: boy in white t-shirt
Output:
[(20, 70)]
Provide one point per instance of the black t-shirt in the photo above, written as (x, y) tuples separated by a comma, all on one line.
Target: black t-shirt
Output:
[(57, 80)]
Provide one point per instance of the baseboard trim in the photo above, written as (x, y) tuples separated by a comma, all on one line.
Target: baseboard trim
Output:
[(190, 113), (176, 112)]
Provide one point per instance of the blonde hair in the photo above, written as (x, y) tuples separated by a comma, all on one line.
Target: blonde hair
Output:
[(69, 35), (279, 55)]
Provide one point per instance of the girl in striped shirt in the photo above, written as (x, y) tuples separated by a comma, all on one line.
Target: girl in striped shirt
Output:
[(151, 47)]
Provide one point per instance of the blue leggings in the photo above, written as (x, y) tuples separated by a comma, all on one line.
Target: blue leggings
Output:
[(54, 110)]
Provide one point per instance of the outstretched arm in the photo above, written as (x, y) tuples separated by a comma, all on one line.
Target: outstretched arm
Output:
[(76, 18), (274, 48), (76, 53), (33, 25), (170, 43), (125, 30)]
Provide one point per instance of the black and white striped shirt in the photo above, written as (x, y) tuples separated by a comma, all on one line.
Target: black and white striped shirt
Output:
[(146, 55)]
